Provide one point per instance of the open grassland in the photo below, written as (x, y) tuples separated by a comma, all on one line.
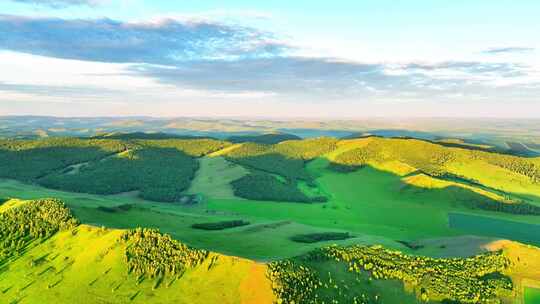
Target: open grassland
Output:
[(263, 239), (525, 270), (392, 191), (482, 225), (367, 203), (86, 264), (370, 201), (532, 295), (214, 177)]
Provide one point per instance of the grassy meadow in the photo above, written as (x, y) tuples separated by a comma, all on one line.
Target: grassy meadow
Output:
[(86, 265), (415, 196), (532, 295)]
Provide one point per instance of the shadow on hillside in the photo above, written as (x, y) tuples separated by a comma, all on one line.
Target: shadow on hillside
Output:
[(460, 197), (31, 164), (161, 174)]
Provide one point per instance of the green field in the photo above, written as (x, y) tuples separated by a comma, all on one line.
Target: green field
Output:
[(532, 296), (439, 203), (86, 264), (264, 239), (368, 203), (481, 225)]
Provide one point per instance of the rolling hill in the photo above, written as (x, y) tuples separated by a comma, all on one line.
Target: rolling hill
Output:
[(279, 204)]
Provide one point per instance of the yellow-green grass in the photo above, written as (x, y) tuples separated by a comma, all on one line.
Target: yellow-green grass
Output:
[(470, 164), (425, 181), (498, 178), (10, 203), (379, 203), (264, 239), (214, 177), (87, 265), (351, 284), (525, 265), (225, 150), (373, 202)]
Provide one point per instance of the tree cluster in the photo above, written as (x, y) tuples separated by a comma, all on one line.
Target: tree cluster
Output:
[(475, 279), (266, 187), (150, 253), (220, 225), (34, 220), (320, 237)]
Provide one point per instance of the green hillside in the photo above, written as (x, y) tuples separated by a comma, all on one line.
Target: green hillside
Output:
[(62, 262), (272, 203), (86, 264)]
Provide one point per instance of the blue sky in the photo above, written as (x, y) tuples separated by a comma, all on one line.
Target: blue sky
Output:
[(329, 59)]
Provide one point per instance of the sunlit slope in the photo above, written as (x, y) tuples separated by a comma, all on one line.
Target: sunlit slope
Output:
[(422, 180), (214, 177), (68, 263), (264, 239), (389, 190), (86, 264), (515, 175)]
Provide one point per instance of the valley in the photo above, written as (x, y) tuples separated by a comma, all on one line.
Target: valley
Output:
[(296, 197)]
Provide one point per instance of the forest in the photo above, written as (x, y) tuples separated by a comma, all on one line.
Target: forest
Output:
[(29, 160), (159, 174), (269, 139), (159, 169), (466, 280)]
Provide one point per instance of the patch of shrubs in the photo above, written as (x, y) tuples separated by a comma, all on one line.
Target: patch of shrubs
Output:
[(342, 168), (265, 187), (320, 237), (115, 209), (220, 225)]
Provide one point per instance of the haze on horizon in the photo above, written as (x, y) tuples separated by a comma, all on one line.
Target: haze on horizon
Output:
[(270, 59)]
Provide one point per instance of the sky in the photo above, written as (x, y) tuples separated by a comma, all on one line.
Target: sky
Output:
[(278, 59)]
